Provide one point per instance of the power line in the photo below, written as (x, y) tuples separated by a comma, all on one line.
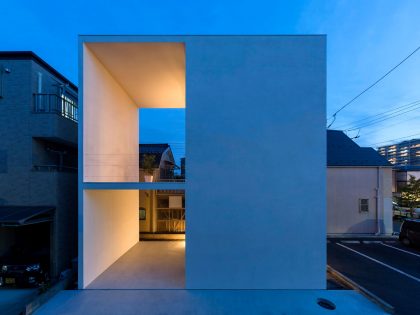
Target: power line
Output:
[(393, 140), (381, 119), (387, 112), (398, 123), (334, 116)]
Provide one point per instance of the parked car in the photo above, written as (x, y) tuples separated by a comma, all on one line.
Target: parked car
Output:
[(396, 210), (24, 268), (410, 232), (405, 212), (416, 213)]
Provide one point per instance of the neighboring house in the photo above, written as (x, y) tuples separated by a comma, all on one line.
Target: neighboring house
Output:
[(161, 212), (405, 158), (243, 95), (183, 167), (164, 167), (38, 159), (359, 188)]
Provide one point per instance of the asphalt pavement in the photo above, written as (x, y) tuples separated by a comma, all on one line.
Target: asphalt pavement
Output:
[(384, 267)]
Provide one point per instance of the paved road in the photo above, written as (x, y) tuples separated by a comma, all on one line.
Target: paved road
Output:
[(385, 267)]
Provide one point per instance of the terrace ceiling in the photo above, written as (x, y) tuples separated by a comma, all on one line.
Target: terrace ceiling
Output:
[(152, 74)]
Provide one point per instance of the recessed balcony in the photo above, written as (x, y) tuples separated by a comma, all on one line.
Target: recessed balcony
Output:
[(54, 118), (53, 103)]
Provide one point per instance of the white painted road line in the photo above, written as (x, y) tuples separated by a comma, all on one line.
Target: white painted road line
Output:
[(380, 262), (350, 242), (402, 250)]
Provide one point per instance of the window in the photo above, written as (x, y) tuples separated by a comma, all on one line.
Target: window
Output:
[(175, 202), (142, 214), (68, 107), (363, 205), (163, 202)]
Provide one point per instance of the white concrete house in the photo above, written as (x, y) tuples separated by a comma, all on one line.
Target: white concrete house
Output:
[(254, 101), (359, 188)]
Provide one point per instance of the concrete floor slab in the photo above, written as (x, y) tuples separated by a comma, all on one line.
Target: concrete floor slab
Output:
[(214, 302), (147, 265), (14, 300)]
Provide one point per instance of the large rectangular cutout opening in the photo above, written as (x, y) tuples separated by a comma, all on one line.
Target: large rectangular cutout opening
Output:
[(120, 78)]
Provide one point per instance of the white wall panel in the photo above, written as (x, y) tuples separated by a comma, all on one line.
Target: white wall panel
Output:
[(110, 126), (111, 228)]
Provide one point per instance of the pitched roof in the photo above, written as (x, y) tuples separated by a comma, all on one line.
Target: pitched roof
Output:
[(153, 148), (156, 149), (30, 55), (342, 151)]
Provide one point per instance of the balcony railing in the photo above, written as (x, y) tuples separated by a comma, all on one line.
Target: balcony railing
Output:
[(161, 175), (171, 220), (53, 103)]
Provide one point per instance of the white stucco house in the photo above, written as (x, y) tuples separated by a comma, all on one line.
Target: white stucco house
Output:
[(359, 188), (241, 94)]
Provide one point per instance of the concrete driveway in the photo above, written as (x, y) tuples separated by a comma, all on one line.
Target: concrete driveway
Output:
[(147, 265), (13, 301)]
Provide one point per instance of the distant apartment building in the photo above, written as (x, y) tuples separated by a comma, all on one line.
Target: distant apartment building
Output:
[(403, 154), (405, 157), (38, 159)]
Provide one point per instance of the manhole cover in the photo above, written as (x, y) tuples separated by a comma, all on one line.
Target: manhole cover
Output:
[(326, 304)]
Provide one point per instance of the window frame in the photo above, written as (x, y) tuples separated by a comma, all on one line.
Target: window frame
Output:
[(363, 203)]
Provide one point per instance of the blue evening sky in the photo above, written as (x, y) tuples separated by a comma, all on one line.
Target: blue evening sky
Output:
[(365, 39)]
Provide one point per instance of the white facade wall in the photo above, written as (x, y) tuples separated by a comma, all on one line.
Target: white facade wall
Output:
[(253, 104), (345, 186)]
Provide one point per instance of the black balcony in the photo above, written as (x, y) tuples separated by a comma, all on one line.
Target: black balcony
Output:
[(53, 103)]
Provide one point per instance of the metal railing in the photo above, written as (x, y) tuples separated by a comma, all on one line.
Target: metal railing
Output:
[(171, 220), (161, 175), (53, 103)]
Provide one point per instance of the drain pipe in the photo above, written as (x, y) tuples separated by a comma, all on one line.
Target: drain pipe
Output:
[(378, 187)]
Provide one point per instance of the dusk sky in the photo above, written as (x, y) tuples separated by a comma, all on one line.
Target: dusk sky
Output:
[(365, 39)]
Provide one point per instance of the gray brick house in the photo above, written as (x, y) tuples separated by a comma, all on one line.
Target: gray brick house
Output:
[(38, 158)]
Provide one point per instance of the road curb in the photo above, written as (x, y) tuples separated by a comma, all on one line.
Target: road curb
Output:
[(362, 236), (43, 298), (353, 285)]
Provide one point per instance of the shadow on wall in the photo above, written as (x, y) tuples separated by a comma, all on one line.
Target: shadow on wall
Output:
[(366, 227)]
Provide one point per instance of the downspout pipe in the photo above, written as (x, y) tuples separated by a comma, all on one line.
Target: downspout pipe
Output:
[(378, 188)]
